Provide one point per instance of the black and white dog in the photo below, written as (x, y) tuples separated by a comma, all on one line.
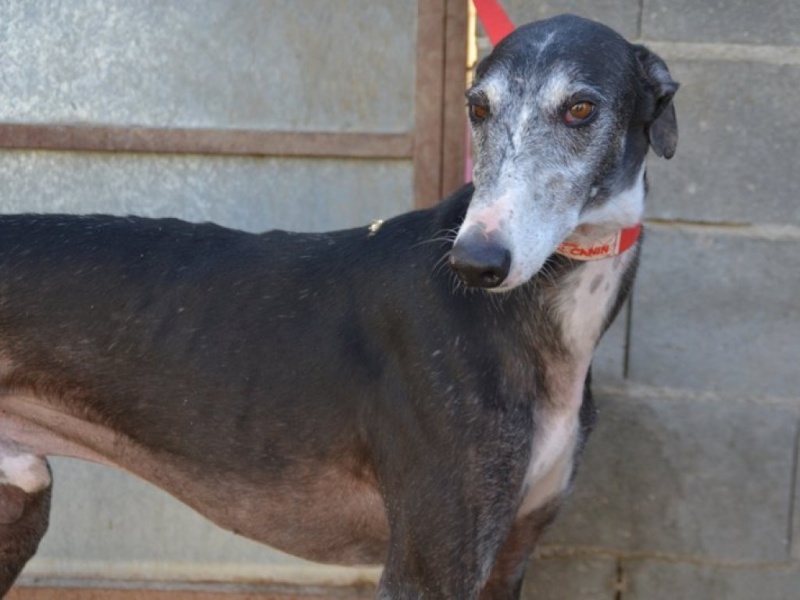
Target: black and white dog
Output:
[(345, 396)]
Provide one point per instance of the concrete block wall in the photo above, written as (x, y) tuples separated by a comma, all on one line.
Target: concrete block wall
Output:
[(689, 486)]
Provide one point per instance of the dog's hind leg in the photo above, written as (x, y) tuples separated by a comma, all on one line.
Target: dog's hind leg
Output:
[(25, 485)]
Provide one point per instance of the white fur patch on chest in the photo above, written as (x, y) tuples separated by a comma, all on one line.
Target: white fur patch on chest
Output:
[(584, 301), (551, 461)]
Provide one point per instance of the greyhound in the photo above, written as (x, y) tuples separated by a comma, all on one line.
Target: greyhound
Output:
[(413, 393)]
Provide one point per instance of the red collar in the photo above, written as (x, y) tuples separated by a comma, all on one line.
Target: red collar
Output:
[(583, 246)]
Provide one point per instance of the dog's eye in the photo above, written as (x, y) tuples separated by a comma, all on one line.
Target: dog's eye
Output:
[(478, 112), (579, 112)]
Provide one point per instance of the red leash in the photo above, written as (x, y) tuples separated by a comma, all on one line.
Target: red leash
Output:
[(494, 19), (498, 25)]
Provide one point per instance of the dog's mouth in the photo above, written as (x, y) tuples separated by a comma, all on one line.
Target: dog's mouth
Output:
[(506, 256)]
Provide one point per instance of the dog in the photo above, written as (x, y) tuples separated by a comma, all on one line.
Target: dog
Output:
[(413, 393)]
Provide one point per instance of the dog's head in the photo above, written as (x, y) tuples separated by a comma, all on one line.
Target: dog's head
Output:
[(563, 112)]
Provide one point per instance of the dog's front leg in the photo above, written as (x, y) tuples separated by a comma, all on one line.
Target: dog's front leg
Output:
[(438, 552), (505, 582), (451, 492)]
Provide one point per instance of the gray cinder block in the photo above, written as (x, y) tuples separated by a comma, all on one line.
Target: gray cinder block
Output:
[(684, 477), (795, 525), (728, 21), (652, 580), (738, 146), (620, 15), (716, 310), (557, 578)]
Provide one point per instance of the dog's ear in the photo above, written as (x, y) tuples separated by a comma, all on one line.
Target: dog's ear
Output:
[(661, 126)]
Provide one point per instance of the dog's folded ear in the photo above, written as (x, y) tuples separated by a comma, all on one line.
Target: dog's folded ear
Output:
[(661, 126)]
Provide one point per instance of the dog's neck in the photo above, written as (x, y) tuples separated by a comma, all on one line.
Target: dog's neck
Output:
[(590, 243), (610, 229)]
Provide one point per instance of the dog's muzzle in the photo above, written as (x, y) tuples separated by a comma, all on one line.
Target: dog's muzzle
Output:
[(480, 260)]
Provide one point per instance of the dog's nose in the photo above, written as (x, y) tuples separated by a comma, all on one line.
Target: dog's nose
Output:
[(480, 262)]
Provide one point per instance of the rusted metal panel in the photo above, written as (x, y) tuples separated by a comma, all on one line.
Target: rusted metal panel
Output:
[(201, 592), (107, 138), (431, 18), (454, 137), (439, 137)]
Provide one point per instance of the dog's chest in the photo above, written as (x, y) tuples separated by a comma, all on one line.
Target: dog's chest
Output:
[(583, 301)]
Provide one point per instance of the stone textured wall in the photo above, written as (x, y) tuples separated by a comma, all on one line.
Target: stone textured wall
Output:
[(689, 486)]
